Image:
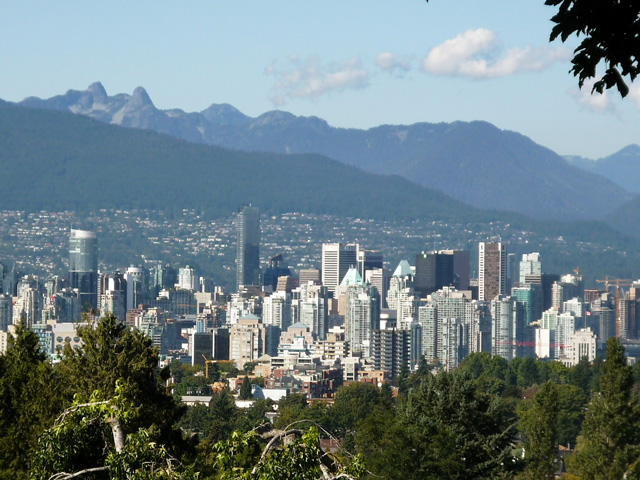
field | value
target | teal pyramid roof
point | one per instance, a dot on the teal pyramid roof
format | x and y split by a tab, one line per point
299	325
352	278
403	269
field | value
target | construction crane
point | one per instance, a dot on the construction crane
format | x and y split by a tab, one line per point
212	362
617	282
207	362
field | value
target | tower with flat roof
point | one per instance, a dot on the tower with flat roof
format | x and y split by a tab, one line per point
248	237
83	266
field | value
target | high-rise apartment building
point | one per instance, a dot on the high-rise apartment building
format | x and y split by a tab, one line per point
362	315
83	266
401	281
531	295
247	340
390	350
379	278
248	237
507	332
492	270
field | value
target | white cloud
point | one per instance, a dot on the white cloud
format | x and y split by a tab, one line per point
595	102
391	63
311	79
479	54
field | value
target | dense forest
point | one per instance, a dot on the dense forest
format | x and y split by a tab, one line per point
104	412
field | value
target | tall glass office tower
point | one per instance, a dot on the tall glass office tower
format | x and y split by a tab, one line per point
83	266
248	259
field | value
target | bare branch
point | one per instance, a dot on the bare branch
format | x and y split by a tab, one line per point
67	476
73	408
277	437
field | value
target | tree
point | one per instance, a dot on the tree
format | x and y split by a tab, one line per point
538	421
457	431
245	389
384	443
112	351
611	31
353	403
29	400
572	402
223	414
114	356
608	444
291	453
291	408
127	455
527	373
581	375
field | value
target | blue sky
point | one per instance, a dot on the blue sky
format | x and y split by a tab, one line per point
354	63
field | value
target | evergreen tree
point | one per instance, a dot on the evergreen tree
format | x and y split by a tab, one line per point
352	404
539	424
245	390
458	432
29	400
608	444
114	356
223	415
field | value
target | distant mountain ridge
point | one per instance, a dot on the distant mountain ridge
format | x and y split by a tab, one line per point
473	162
58	161
622	167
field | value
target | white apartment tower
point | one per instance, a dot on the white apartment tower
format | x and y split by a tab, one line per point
507	328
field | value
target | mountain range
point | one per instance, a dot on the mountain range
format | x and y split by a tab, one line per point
623	167
57	161
472	162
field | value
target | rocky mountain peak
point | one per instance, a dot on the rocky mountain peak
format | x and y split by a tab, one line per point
99	93
140	98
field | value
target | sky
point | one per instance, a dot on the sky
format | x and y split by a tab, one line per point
354	63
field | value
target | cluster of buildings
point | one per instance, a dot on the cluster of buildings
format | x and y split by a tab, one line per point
351	319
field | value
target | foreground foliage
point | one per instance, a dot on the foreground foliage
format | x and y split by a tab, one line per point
103	413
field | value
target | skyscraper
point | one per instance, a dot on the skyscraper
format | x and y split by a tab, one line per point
529	265
443	268
248	259
492	270
507	327
336	260
83	266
